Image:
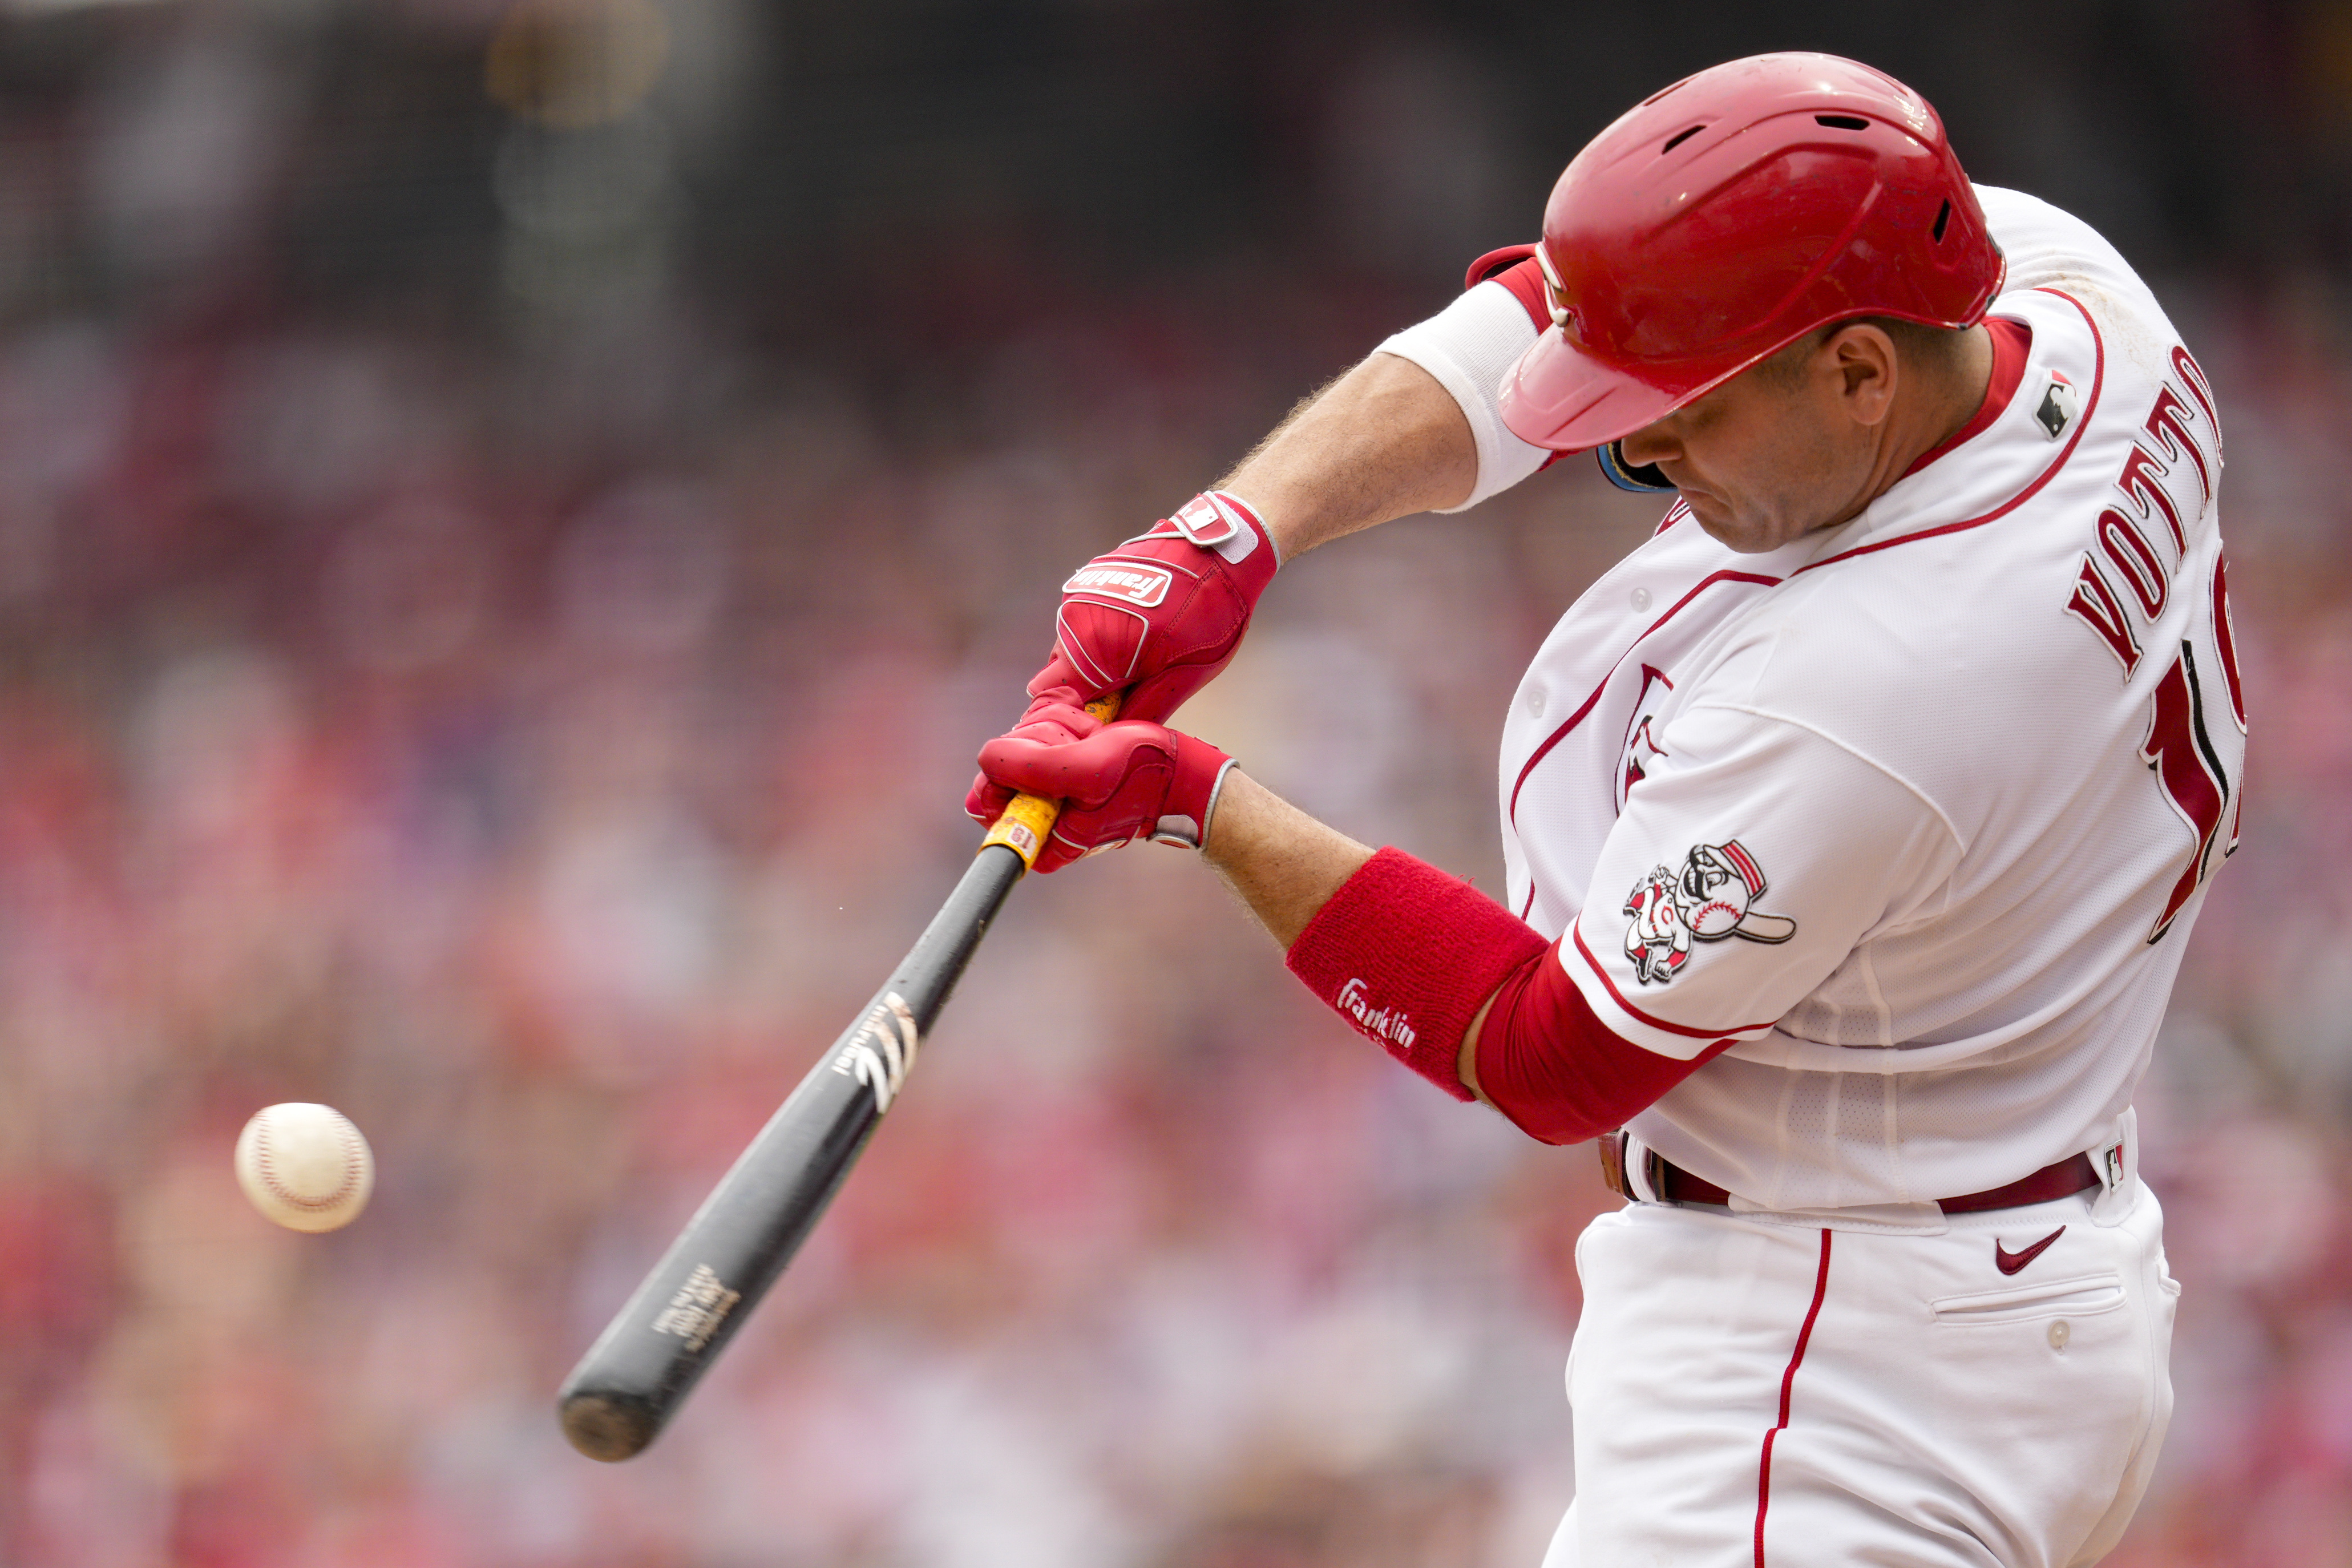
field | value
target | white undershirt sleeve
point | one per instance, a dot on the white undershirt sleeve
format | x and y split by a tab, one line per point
1469	347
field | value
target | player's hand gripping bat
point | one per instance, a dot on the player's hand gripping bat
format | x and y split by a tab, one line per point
633	1377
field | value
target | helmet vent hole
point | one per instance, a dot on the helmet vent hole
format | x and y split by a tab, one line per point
1842	121
1943	218
1678	138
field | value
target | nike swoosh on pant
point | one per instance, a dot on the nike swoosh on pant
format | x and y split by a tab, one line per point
2009	1262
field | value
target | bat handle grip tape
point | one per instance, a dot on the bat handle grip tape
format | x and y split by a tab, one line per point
1030	818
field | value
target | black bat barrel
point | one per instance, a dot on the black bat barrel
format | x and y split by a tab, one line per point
622	1394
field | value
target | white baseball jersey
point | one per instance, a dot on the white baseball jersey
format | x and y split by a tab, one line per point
1917	811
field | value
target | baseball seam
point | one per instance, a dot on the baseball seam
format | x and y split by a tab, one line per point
353	1162
1710	908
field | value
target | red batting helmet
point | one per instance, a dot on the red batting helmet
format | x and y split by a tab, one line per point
1720	220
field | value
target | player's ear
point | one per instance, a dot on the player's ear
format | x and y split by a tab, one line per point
1867	369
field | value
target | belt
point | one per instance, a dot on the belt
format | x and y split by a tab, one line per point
1674	1184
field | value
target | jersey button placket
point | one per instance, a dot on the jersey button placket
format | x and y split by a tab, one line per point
1640	599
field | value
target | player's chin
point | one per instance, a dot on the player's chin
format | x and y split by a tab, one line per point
1737	527
1722	521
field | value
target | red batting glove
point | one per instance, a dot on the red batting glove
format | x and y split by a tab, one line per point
1117	782
1046	720
1164	612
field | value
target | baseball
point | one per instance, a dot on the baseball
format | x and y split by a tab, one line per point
1717	916
305	1167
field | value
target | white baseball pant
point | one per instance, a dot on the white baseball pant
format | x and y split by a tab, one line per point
1753	1394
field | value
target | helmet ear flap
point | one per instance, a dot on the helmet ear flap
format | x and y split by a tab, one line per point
1644	480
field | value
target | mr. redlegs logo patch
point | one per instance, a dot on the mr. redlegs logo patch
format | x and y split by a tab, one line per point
1128	582
1709	899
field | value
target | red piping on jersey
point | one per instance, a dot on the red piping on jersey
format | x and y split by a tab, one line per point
1556	736
1577	930
2098	379
1787	1383
2090	407
2012	344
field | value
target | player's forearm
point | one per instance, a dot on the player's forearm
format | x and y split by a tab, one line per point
1455	987
1283	864
1384	441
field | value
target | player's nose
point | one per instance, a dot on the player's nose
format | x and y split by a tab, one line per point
1651	443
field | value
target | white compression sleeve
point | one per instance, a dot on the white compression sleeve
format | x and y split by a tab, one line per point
1469	347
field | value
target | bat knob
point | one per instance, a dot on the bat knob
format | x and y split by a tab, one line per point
608	1427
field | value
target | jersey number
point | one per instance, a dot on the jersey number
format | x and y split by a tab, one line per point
2189	771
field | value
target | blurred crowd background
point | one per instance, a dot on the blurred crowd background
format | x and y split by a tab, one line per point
514	518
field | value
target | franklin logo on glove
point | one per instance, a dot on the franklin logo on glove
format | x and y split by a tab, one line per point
1159	616
1142	586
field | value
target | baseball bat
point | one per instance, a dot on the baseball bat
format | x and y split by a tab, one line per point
641	1368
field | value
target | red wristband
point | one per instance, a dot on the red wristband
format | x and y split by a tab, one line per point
1408	955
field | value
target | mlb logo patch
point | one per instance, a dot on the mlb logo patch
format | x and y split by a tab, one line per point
2058	407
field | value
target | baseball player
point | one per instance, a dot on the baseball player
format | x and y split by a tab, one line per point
1854	823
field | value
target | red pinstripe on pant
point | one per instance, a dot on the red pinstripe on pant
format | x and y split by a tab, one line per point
1787	1383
